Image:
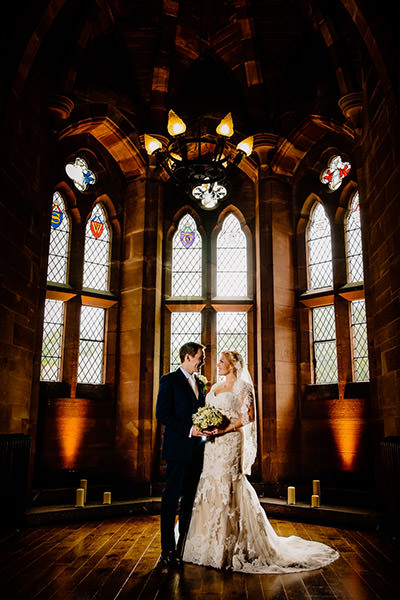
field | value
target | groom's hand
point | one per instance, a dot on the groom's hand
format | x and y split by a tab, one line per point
196	432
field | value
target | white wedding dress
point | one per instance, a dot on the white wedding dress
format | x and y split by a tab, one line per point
229	528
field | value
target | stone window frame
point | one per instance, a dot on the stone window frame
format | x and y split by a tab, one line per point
74	295
340	294
209	303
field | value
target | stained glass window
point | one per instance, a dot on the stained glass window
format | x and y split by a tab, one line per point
231	260
91	345
319	249
185	327
59	241
186	259
336	171
53	327
80	174
360	341
209	194
232	332
97	251
354	243
324	336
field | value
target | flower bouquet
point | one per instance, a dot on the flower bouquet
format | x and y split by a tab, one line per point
207	417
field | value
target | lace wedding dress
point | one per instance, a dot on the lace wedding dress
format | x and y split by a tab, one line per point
229	528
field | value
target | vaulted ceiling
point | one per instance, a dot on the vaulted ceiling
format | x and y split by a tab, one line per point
270	62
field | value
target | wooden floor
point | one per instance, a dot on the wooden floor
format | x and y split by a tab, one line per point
119	559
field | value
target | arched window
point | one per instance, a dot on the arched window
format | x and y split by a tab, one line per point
57	273
231	260
186	259
319	249
75	314
57	269
203	305
353	241
338	313
97	251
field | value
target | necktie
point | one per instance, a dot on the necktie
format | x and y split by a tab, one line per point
194	385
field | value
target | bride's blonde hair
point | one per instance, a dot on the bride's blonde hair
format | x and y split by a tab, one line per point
235	360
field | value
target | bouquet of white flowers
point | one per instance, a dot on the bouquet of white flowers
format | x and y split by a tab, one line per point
207	417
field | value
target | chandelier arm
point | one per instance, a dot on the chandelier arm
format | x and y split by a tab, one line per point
219	147
162	161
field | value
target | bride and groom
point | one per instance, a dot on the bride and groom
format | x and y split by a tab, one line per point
221	522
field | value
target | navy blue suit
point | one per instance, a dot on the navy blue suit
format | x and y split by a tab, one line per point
176	402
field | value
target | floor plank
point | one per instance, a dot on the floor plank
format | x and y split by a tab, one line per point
119	560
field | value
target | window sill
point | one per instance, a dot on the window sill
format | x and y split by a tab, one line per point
329	391
321	297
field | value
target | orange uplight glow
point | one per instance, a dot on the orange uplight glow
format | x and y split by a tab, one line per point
347	422
71	417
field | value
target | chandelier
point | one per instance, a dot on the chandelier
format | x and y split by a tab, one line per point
199	165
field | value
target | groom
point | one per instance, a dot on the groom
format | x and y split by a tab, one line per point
179	396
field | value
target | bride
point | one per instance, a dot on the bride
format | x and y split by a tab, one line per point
228	527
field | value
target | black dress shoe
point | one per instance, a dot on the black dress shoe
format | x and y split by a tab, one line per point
168	559
179	561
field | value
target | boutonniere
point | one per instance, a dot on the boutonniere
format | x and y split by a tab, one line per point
202	380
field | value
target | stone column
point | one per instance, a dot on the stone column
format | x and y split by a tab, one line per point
140	321
276	318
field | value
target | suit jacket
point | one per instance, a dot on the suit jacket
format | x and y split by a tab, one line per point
176	402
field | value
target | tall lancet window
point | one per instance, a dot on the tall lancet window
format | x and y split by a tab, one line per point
353	241
97	251
231	260
57	273
211	298
186	259
319	249
57	269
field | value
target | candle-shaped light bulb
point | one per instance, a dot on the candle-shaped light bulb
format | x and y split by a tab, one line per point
225	127
246	146
151	144
175	124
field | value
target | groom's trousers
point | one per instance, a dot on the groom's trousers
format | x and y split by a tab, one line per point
181	483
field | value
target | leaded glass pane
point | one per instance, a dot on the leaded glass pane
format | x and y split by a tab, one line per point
53	327
324	336
231	260
91	345
187	259
319	249
360	340
354	243
59	241
97	251
232	332
185	327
